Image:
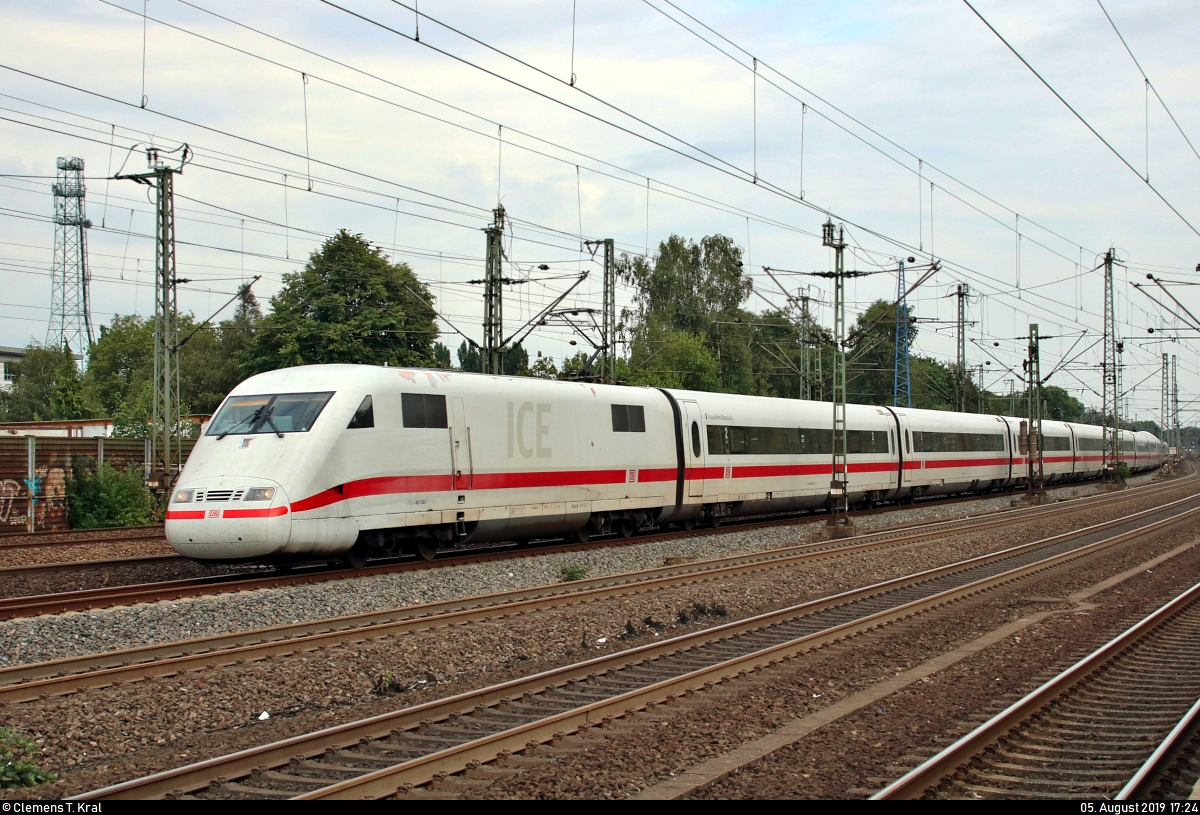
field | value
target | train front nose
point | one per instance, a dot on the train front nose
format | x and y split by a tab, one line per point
228	520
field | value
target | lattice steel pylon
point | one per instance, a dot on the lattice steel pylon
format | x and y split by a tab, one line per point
1111	392
1176	431
70	281
166	442
840	524
608	322
493	296
1164	420
960	373
1036	480
902	375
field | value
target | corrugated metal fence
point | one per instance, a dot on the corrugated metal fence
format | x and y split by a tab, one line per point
34	472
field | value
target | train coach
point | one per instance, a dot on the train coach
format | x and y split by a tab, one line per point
351	461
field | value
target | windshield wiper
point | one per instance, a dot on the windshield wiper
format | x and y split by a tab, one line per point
252	417
267	419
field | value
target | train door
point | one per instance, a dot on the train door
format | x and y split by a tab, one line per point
460	447
901	445
693	442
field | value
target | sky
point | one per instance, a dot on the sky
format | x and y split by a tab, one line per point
911	123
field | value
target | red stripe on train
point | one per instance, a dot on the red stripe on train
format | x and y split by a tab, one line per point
273	512
179	515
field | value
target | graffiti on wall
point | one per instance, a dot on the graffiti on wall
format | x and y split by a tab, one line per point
10	491
48	489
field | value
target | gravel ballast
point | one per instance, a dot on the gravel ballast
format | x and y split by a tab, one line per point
105	735
38	639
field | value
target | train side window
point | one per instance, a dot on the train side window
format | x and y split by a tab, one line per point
908	442
423	410
637	419
628	419
364	416
695	440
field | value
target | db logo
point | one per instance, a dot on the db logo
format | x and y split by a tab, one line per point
631	476
214	513
729	472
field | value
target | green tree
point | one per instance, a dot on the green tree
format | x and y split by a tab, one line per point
441	357
687	311
47	386
679	360
121	367
543	367
350	305
514	362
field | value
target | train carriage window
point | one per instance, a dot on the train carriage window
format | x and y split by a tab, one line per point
866	441
716	441
734	440
629	419
927	441
1058	443
423	410
364	416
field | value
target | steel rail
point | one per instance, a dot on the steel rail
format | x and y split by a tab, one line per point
84	565
223	584
931	773
79	537
1150	774
501	697
24	683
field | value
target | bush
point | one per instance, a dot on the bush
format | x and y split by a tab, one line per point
105	496
1121	471
570	573
17	767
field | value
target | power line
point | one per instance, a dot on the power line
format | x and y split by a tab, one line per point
1149	84
858	122
879	235
1096	133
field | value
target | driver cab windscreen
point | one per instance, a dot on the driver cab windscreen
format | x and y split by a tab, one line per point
288	412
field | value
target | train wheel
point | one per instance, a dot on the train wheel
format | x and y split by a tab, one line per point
716	521
356	558
427	548
689	524
580	535
628	527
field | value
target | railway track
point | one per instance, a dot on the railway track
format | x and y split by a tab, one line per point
1086	733
86	565
235	582
388	754
82	537
1173	769
25	683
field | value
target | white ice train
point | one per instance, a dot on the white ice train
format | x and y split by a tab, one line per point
353	461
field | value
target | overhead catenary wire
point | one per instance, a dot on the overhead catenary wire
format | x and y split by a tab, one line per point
1079	116
1149	87
646	245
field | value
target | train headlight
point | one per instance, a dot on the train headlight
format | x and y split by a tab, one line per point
259	494
183	497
